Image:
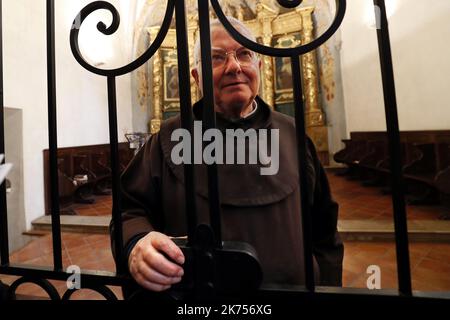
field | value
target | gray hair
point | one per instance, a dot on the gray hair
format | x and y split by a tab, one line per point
241	27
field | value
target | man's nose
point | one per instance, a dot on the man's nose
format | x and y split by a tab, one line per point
232	64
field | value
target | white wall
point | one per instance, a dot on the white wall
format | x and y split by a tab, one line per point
14	195
419	37
81	96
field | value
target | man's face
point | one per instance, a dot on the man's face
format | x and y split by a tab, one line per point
235	86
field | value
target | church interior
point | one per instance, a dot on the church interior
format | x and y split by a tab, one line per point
344	116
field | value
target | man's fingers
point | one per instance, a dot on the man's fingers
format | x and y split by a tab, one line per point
157	261
163	243
150	285
154	276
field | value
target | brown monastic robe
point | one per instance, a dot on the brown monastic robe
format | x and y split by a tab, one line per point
263	211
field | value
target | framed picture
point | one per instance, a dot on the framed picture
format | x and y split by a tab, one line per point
283	74
171	95
282	68
171	83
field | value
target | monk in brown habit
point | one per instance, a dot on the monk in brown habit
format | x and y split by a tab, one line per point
260	209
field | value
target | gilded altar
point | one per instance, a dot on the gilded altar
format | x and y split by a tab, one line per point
271	29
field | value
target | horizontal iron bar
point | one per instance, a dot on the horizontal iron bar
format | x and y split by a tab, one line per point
269	292
356	295
46	272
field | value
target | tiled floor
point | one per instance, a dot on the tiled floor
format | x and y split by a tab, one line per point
88	251
430	265
101	207
357	202
430	262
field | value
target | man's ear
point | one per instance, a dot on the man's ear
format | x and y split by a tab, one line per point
194	73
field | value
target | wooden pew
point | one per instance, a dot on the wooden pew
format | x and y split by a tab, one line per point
425	161
442	179
76	162
371	162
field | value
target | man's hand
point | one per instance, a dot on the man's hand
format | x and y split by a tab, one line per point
148	265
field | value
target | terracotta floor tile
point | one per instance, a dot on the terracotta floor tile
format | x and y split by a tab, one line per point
391	256
106	264
355	264
86	211
351	248
364	214
439	252
358	202
383	216
349	277
104	211
31	289
91	238
73	242
106	243
435	268
424	285
81	254
423	248
373	250
360	281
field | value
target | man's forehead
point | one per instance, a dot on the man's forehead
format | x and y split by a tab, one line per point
221	29
220	38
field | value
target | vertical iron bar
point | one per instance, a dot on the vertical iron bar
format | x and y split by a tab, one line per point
398	193
4	249
114	145
209	117
303	172
186	113
52	135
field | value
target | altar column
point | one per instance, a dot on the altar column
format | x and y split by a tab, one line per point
314	117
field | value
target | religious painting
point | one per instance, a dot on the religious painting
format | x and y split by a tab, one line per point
170	79
283	72
282	68
171	86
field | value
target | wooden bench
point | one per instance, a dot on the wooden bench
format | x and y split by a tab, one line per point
83	172
425	159
442	179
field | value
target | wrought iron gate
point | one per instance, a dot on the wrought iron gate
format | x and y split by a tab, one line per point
99	280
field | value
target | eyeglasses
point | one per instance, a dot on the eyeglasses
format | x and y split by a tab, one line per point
243	56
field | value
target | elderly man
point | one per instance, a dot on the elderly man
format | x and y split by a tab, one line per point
262	210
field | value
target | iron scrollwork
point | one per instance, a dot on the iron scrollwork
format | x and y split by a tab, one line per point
290	3
98	5
102	289
43	283
53	294
283	52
